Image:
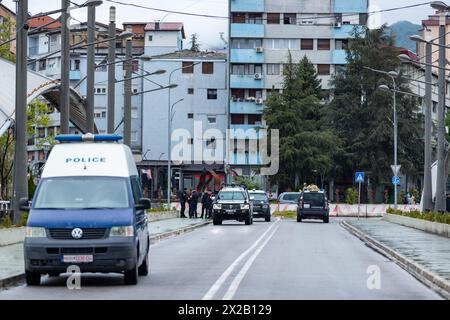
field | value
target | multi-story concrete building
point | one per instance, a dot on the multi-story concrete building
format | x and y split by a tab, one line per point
262	33
48	40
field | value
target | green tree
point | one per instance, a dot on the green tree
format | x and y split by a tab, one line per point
305	145
361	115
195	45
6	31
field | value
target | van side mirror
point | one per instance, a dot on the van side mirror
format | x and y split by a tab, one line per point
24	204
144	204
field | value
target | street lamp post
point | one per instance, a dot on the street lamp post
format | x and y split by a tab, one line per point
111	70
169	134
20	153
128	93
393	75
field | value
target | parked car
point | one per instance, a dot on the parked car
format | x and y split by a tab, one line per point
261	205
289	198
313	205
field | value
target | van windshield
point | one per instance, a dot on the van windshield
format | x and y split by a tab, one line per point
82	193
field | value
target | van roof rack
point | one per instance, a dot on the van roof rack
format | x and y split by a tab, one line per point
88	137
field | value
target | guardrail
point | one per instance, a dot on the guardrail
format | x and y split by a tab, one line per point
5	209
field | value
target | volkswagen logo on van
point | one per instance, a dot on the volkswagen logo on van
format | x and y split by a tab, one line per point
77	233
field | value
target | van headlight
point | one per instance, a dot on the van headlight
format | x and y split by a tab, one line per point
127	231
35	232
217	206
245	206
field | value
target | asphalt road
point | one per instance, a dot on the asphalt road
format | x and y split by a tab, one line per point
278	260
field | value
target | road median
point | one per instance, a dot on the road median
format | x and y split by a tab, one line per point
427	277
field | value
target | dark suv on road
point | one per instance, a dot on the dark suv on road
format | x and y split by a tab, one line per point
233	203
261	205
313	205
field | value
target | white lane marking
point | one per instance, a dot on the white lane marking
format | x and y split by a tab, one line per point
240	276
218	284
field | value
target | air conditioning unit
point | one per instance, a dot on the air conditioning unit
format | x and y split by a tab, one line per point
258	76
259	49
259	101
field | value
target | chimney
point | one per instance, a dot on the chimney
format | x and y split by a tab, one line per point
157	25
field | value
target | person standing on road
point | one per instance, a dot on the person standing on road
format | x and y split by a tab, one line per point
209	205
193	203
183	198
204	200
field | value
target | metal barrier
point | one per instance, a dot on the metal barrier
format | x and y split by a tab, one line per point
5	209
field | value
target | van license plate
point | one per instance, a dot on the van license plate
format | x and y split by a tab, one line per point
78	258
306	205
230	211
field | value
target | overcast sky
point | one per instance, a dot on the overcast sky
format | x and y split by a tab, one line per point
209	28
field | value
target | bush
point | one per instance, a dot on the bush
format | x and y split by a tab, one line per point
23	220
7	222
351	196
428	216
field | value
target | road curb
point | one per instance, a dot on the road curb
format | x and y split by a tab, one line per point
15	279
159	237
430	279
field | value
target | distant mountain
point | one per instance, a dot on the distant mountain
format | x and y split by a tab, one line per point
402	30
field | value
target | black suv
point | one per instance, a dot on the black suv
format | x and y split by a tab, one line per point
313	205
261	205
232	203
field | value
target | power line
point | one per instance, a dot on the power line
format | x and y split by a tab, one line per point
227	17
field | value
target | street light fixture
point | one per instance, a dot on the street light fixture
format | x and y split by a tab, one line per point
172	109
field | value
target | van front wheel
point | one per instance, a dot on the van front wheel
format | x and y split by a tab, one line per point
143	269
32	278
131	276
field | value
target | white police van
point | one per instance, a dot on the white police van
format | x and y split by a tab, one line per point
88	211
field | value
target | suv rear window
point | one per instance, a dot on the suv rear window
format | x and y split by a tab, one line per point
314	199
291	197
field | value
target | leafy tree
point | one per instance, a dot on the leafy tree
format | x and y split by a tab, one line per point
195	45
249	183
6	31
361	115
305	145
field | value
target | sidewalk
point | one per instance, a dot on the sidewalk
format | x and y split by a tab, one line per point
11	257
427	250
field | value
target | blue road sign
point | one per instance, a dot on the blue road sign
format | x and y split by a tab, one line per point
396	180
359	177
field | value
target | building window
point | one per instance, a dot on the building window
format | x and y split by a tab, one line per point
190	90
273	18
363	18
273	69
238	18
246	43
323	44
150	38
188	67
323	69
42	65
103	114
191	141
212	94
190	116
237	119
212	119
290	18
75	65
208	67
307	44
341	44
100	90
254	119
254	18
237	94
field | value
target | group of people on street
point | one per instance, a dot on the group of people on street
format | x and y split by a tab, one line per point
192	199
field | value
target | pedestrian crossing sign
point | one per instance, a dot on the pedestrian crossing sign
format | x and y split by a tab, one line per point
359	177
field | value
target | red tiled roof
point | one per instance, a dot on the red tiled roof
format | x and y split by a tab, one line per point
165	26
40	21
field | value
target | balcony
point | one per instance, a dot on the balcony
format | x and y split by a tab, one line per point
246	56
75	75
247	30
238	81
245	107
354	6
245	131
247	5
339	57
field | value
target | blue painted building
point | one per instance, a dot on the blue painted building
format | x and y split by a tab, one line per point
262	33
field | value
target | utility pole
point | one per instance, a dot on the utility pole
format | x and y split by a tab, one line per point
395	142
90	70
111	70
440	205
20	128
427	191
127	95
65	67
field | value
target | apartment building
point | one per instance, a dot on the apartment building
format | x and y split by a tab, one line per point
7	14
262	33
